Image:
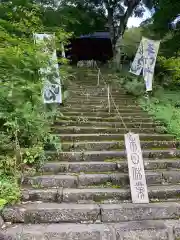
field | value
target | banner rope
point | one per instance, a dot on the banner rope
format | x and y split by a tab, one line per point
119	115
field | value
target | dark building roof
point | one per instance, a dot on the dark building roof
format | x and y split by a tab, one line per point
103	35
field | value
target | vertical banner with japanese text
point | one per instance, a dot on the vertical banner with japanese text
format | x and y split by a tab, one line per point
50	74
145	60
139	192
137	64
150	51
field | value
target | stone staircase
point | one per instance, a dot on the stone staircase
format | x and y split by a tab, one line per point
83	192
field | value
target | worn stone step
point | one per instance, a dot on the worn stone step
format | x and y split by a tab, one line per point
78	87
104	119
133	212
77	213
149	164
57	167
99	194
74	179
44	195
92	129
99	110
113	137
86	83
96	99
97	146
105	193
98	94
108	155
110	120
106	115
90	93
49	181
99	89
120	179
98	167
84	101
98	107
108	124
138	230
51	213
99	99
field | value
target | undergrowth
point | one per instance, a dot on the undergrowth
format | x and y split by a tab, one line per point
165	107
25	122
163	104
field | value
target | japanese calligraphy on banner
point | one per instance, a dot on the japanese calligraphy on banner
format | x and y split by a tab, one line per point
139	192
137	64
50	74
145	60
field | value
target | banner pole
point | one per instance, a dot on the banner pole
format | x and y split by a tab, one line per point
98	77
109	104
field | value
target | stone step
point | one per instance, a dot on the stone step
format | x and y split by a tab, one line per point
117	194
139	118
106	193
51	213
101	111
111	120
106	115
108	124
92	129
71	180
101	87
133	212
98	167
77	167
120	102
88	98
109	155
113	137
103	96
77	213
99	105
138	230
97	146
98	93
50	181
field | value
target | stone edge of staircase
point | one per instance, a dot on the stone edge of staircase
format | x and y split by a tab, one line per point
146	230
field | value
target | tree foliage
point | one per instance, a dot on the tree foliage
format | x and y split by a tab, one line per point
24	120
116	12
130	42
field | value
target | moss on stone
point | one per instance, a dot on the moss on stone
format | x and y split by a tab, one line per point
105	185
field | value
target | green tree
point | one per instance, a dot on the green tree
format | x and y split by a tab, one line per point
130	42
117	13
25	124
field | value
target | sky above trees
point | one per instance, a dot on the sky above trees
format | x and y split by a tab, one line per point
136	21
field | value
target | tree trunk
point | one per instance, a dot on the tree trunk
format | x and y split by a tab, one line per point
121	30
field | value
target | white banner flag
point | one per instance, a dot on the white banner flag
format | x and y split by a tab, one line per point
137	64
145	60
50	74
150	51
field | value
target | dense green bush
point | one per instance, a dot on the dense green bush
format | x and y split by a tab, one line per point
9	190
168	71
132	84
25	121
165	107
